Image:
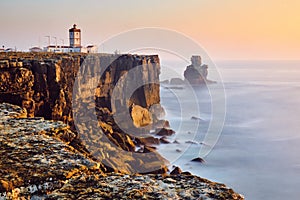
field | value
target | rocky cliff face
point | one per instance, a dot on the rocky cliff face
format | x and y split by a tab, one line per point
42	84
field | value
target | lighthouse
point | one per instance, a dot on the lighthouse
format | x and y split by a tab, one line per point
75	44
75	37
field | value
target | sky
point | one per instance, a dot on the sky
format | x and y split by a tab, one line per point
226	29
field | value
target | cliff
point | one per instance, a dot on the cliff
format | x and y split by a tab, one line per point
42	83
38	163
108	128
101	109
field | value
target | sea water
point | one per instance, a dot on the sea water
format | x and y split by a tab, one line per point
258	150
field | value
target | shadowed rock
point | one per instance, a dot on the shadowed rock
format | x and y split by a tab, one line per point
176	171
198	159
165	132
164	140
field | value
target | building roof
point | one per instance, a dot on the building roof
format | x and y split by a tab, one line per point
64	47
74	29
36	48
90	46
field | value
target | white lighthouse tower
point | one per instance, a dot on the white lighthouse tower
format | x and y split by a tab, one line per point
75	44
75	37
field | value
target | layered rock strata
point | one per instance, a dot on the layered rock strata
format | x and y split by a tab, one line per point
43	83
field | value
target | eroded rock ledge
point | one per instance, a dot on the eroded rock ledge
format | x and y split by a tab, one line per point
37	161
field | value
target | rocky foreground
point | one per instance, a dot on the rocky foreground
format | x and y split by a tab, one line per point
38	163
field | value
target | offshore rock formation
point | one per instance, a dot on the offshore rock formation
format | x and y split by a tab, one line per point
37	162
196	73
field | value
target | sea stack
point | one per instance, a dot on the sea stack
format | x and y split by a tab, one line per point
196	73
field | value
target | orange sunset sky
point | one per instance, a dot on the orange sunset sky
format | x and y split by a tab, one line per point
227	29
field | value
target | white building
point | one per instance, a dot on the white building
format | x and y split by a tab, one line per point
92	49
36	49
75	44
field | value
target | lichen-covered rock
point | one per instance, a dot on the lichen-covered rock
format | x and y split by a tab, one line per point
37	162
35	152
11	111
120	186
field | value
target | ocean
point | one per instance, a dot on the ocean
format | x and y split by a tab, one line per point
257	148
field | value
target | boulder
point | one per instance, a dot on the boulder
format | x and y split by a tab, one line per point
140	116
198	159
157	111
161	124
164	140
177	81
148	149
147	140
176	171
164	132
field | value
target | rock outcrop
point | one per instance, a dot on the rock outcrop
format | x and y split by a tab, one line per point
196	73
37	162
43	84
